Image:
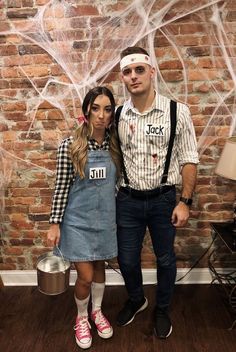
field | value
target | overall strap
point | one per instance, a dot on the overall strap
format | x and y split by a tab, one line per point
173	108
117	117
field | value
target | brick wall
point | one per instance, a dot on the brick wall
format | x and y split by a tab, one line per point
26	188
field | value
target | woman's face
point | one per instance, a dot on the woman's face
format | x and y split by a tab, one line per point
100	113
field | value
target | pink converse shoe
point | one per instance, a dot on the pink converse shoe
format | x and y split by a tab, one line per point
103	326
82	332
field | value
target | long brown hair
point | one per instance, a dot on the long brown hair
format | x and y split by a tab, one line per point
79	148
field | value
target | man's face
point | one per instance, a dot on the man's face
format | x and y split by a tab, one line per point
137	78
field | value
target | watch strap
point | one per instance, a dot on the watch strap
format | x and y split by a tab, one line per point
187	201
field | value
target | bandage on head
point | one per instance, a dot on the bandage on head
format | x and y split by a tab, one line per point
133	59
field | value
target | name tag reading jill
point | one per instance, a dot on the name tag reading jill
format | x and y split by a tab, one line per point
154	130
97	173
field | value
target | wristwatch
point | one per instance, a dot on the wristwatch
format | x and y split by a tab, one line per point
187	201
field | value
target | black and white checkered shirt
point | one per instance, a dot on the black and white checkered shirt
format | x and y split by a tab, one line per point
65	175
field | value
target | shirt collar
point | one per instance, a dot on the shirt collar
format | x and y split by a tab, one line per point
156	105
106	138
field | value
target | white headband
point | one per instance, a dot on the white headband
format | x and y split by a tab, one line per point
133	59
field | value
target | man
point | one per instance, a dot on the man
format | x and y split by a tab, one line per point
158	145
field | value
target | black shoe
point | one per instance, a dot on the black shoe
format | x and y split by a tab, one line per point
127	314
163	327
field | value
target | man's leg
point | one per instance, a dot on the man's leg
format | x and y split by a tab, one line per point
163	234
131	227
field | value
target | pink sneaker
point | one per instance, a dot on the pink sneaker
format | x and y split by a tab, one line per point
103	326
82	332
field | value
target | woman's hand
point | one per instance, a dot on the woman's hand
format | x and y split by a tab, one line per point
53	235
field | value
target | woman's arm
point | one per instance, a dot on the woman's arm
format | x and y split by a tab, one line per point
64	177
53	235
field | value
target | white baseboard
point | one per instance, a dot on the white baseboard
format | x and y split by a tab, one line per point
29	277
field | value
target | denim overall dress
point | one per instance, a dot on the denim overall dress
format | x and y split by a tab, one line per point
88	228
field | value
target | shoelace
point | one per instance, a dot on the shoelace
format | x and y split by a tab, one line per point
101	320
83	326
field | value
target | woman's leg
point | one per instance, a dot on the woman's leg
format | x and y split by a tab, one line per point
103	326
85	272
98	284
82	293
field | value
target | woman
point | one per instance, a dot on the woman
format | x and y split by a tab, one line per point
83	210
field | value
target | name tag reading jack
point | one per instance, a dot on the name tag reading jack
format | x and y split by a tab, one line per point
154	130
97	173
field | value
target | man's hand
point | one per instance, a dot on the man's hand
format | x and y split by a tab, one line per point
53	235
180	215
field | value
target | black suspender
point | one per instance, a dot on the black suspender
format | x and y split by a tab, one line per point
117	117
173	108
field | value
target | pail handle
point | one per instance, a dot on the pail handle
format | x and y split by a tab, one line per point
62	258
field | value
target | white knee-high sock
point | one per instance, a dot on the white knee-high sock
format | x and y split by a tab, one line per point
97	291
82	306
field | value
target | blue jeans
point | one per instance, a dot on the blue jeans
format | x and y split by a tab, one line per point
133	217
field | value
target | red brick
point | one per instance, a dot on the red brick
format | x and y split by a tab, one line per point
21	126
18	60
7	266
14	106
83	10
13	251
35	71
194	28
24	200
9	72
54	115
6	50
3	127
22	192
41	2
35	209
172	75
4	26
4	84
13	3
23	13
40	184
30	135
42	59
170	64
9	136
8	93
27	3
23	209
30	49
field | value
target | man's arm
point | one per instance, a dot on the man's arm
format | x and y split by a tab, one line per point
189	177
180	214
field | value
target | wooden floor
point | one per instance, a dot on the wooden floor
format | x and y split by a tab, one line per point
33	322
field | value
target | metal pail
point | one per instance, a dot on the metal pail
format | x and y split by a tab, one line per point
53	274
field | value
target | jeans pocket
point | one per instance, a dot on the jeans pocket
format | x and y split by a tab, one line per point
122	196
170	197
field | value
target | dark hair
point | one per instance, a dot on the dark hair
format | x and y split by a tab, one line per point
133	50
92	95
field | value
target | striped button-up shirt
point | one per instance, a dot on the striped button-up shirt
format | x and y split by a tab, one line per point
66	175
144	141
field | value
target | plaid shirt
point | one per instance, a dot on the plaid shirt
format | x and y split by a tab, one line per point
65	175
